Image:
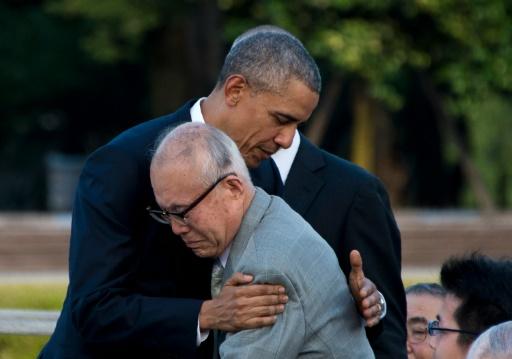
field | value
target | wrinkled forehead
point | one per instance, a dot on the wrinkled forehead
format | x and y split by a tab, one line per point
175	175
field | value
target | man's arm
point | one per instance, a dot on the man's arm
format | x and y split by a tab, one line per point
372	230
107	306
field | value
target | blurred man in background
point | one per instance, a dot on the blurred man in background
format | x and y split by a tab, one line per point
479	295
424	301
494	343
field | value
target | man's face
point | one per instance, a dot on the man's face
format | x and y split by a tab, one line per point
264	122
445	343
421	308
212	224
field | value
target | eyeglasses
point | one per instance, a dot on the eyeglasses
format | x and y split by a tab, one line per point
417	330
434	329
164	216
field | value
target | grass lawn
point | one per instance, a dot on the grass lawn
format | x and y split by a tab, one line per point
28	296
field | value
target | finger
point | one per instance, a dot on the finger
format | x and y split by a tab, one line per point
265	311
259	322
261	300
356	261
356	264
256	290
372	322
371	300
239	279
372	312
367	288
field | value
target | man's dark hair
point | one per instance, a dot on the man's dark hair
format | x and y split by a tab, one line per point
484	286
269	57
433	289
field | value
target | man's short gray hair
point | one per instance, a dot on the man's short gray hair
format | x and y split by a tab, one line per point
212	152
269	57
494	343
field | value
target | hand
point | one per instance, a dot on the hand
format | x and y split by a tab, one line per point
242	305
364	291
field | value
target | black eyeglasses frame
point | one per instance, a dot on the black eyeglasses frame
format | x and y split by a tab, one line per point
433	327
164	216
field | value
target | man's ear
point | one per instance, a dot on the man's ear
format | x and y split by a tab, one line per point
235	186
234	88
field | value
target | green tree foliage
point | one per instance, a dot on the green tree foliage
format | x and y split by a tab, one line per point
465	46
117	27
460	50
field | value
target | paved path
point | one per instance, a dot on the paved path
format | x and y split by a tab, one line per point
37	244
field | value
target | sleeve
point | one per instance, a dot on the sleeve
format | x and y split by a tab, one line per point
282	340
106	307
371	229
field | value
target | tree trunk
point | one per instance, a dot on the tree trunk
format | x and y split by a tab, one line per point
323	114
363	130
470	170
186	57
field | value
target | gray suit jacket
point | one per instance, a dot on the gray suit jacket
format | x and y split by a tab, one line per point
320	320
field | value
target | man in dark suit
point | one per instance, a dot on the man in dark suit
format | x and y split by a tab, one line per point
135	290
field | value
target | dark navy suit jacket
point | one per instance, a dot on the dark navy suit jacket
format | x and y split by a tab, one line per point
350	209
132	280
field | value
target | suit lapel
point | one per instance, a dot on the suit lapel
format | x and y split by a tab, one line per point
304	180
251	220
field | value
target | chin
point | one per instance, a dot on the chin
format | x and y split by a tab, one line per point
201	253
253	160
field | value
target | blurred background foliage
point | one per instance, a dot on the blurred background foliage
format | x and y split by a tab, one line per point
417	91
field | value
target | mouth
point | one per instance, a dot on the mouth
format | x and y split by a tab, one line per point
193	245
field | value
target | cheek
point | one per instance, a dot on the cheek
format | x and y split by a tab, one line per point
422	351
446	348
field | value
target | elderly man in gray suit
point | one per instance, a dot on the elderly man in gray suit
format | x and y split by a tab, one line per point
203	186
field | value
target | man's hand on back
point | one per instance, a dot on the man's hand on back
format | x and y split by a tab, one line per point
363	290
242	305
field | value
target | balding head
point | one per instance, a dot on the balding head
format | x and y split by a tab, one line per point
200	148
202	184
494	343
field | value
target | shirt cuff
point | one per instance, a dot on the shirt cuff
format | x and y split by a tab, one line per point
201	336
382	302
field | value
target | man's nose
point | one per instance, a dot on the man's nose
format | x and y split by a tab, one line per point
179	228
285	137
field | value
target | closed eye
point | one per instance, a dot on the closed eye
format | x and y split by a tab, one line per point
285	119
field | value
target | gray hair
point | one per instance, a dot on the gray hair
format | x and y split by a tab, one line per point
494	343
269	57
432	289
210	150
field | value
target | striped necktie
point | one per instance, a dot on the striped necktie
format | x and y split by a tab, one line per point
217	276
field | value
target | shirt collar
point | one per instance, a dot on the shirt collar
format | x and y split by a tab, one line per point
223	258
285	156
195	111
